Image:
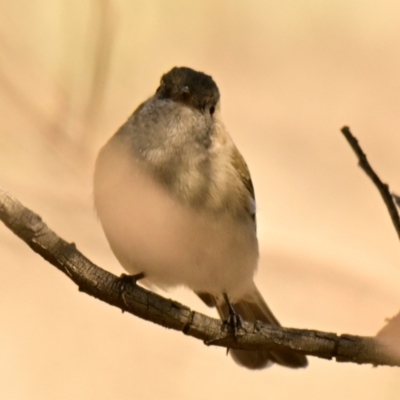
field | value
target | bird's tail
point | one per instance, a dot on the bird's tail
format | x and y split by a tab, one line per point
253	308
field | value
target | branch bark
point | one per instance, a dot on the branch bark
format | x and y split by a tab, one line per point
138	301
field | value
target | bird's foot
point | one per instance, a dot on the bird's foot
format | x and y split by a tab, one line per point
126	280
234	320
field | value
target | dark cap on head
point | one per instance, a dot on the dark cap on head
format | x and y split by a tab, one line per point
190	87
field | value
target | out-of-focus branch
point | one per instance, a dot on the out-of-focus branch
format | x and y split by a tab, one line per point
101	29
382	187
147	305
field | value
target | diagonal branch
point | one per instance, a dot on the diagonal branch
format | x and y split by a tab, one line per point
147	305
382	187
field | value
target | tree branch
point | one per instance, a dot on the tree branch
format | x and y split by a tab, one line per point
382	187
147	305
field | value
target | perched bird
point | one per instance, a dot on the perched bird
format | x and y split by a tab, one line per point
177	204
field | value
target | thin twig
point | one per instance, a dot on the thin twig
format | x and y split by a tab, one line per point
382	187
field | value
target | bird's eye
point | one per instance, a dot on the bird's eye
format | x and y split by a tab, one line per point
212	110
185	90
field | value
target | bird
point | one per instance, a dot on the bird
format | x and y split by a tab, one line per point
177	205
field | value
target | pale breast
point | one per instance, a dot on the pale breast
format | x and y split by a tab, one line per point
151	232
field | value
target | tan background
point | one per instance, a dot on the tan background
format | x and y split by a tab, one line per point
291	73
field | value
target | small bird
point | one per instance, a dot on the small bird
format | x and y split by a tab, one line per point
177	205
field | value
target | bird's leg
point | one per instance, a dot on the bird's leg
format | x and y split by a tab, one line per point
234	320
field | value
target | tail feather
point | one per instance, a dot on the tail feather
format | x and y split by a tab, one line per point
253	308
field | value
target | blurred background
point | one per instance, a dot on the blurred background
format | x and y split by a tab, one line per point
291	74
